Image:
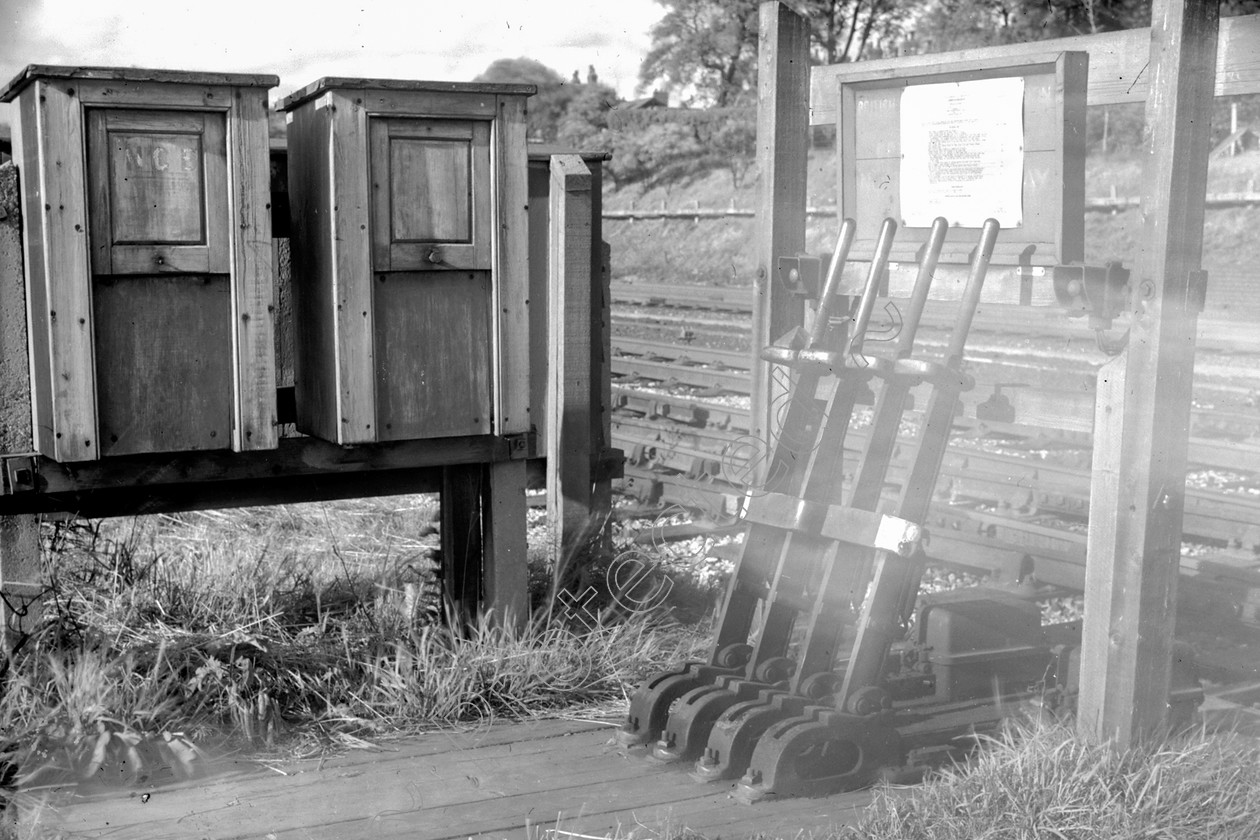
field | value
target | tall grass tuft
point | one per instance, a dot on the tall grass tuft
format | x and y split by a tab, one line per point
291	628
1040	780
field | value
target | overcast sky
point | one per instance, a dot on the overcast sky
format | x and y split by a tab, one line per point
300	42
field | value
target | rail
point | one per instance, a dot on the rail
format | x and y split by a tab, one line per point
1016	483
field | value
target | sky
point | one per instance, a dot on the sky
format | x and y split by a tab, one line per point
300	42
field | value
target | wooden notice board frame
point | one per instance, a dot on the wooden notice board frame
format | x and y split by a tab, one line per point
870	157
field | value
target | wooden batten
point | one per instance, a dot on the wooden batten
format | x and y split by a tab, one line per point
409	214
1119	64
511	305
251	254
148	260
569	395
350	270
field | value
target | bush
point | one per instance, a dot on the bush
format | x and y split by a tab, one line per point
679	145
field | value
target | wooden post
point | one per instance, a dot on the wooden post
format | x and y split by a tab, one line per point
782	148
462	546
569	405
601	371
506	564
1143	409
20	586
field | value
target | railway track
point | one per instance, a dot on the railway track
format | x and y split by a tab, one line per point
1014	488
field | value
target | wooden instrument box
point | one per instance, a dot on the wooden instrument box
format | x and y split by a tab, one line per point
410	259
148	259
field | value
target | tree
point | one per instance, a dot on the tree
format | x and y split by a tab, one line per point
585	120
546	108
849	30
706	49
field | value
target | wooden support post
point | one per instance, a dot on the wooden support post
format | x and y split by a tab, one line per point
1141	429
20	576
483	541
506	565
601	375
569	404
782	149
461	537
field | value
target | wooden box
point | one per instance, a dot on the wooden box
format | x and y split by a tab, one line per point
147	230
410	259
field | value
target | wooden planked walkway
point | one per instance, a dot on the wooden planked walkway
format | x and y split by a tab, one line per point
519	780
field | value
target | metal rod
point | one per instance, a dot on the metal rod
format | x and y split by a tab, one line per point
971	294
879	262
922	285
827	298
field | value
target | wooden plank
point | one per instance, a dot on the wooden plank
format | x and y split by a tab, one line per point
253	279
352	314
382	193
511	266
1140	445
539	174
61	182
1068	224
505	563
569	406
782	139
1118	70
571	781
99	202
411	95
27	153
335	778
315	349
159	79
601	371
303	456
164	363
432	339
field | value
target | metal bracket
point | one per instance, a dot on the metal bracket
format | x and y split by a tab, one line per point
523	445
801	275
19	474
1102	293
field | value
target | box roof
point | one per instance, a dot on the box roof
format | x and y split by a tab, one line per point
334	83
132	74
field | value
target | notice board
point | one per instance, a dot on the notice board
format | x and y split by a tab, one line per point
1001	138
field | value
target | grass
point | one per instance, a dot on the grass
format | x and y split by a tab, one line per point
291	629
309	627
1040	780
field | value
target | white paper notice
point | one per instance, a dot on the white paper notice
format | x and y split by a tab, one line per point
962	152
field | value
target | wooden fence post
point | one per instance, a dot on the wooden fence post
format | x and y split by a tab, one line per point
1141	435
782	149
20	575
569	406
